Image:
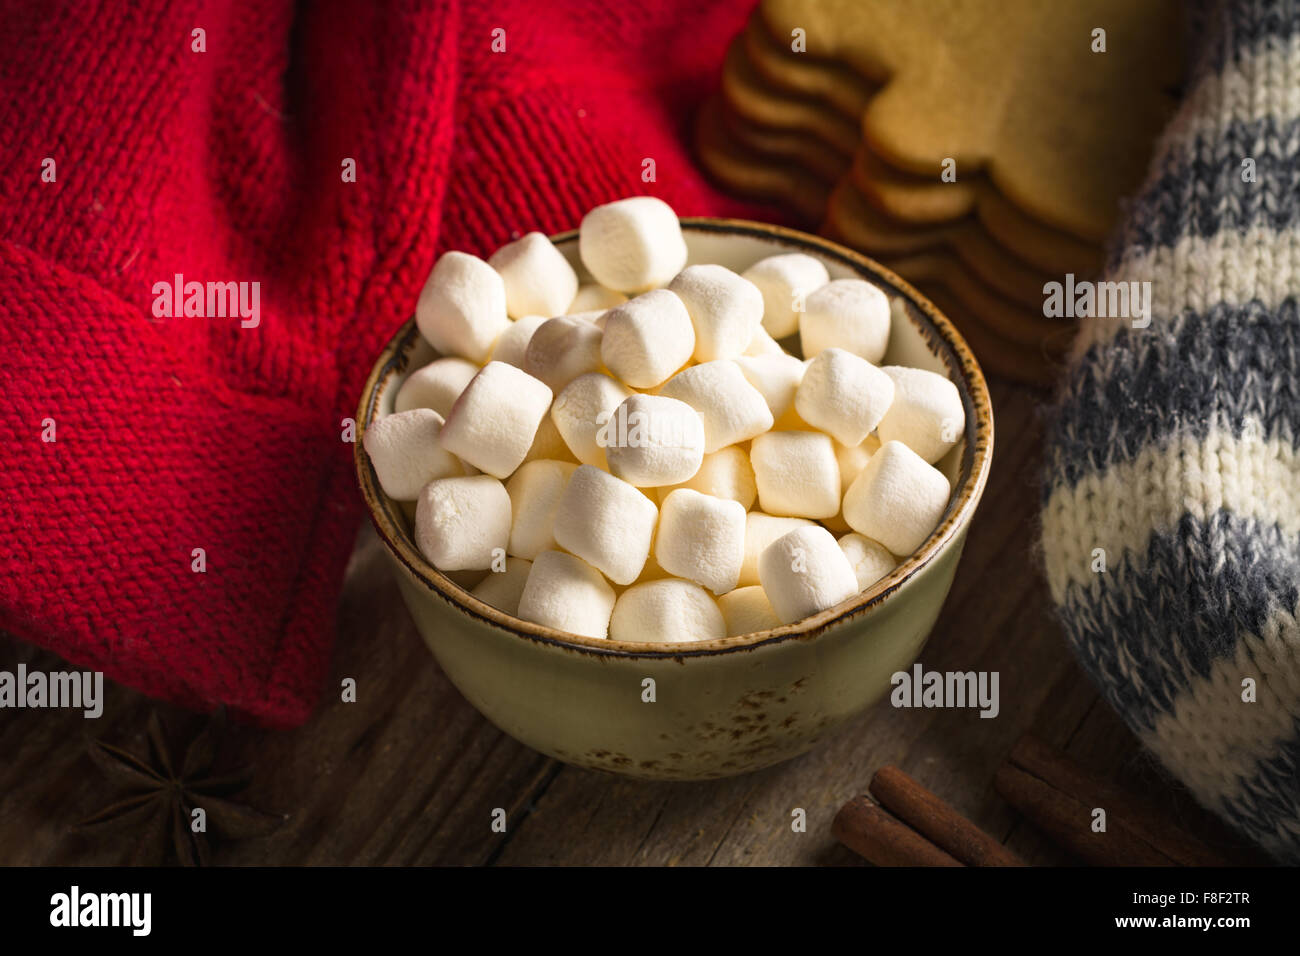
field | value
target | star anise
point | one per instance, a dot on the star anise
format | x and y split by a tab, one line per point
158	797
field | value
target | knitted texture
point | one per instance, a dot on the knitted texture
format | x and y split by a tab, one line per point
1172	459
226	165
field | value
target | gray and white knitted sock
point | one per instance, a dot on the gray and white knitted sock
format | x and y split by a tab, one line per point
1174	457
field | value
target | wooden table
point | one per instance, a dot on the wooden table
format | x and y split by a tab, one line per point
411	773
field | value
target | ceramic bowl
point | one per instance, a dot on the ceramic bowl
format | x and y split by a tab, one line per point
715	708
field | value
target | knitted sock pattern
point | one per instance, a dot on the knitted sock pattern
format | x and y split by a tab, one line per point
1173	456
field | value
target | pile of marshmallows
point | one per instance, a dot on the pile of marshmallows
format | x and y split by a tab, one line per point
600	456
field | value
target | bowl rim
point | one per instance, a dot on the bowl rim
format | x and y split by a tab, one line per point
956	355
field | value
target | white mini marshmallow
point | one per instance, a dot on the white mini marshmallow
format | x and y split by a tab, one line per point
648	338
844	395
796	473
493	423
760	531
436	385
804	572
632	245
726	473
927	414
747	610
702	539
407	452
462	307
666	612
731	408
871	560
851	314
537	277
460	523
776	376
535	491
650	440
606	522
561	349
512	346
725	309
786	281
568	594
548	443
579	410
502	589
898	499
594	297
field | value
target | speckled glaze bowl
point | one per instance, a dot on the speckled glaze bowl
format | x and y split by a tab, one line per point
720	707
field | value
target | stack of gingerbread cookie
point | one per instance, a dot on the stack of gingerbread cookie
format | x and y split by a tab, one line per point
981	151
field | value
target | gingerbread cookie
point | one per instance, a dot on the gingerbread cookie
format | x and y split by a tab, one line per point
735	168
745	92
804	75
1012	321
879	234
1019	90
993	265
906	198
779	147
997	355
747	169
909	198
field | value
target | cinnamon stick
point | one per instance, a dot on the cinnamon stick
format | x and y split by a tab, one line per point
872	833
1060	799
931	816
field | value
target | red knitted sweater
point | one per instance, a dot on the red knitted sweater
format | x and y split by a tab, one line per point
137	149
